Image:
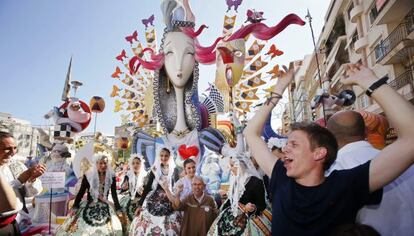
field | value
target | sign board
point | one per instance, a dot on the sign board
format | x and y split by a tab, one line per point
54	179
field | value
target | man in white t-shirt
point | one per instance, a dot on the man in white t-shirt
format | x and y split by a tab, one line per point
394	215
24	181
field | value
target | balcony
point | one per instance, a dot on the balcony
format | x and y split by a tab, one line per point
338	31
398	45
392	11
335	79
337	49
361	44
355	13
336	59
402	80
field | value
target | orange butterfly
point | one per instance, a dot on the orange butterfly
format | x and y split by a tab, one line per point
275	70
115	91
116	73
273	51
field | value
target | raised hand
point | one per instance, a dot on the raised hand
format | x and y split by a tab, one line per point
38	170
32	173
164	185
358	74
180	188
285	78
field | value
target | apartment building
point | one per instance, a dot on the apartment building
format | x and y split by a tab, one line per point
25	134
379	33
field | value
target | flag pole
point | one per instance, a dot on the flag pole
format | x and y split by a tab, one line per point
309	17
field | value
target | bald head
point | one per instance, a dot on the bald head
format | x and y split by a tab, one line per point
347	126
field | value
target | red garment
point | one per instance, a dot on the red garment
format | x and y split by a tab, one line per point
7	220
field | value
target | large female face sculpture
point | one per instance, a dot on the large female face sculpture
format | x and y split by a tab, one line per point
179	58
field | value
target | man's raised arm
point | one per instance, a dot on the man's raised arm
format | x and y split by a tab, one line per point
254	128
393	160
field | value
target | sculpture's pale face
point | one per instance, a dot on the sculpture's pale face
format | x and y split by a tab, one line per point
179	58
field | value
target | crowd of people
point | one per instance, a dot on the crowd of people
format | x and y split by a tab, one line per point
321	181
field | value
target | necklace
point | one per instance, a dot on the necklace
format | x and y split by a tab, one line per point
163	171
181	133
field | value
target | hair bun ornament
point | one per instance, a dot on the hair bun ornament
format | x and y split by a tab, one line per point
175	14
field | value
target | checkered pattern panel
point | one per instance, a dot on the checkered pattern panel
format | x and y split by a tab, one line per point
216	96
62	131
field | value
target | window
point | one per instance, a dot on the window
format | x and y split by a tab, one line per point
349	10
353	40
373	13
379	51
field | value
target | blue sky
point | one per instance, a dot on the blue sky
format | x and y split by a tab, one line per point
38	37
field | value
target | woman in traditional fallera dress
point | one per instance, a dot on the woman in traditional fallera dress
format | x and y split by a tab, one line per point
241	214
157	217
133	187
95	216
185	182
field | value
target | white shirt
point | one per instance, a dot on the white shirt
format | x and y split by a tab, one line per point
395	214
352	155
199	200
32	189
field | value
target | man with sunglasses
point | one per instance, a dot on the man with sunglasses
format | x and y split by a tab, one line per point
24	181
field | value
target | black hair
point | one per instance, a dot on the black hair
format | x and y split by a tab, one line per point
166	150
188	161
136	158
4	135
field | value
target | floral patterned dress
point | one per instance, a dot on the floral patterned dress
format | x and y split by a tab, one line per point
129	205
158	216
93	218
244	223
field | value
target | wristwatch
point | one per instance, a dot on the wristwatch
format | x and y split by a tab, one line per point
376	85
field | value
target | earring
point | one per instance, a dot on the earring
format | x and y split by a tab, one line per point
168	85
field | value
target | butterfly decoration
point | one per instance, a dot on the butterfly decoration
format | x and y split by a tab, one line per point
273	51
132	37
150	21
121	56
254	16
116	73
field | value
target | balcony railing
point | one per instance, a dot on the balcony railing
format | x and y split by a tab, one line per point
396	36
402	80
